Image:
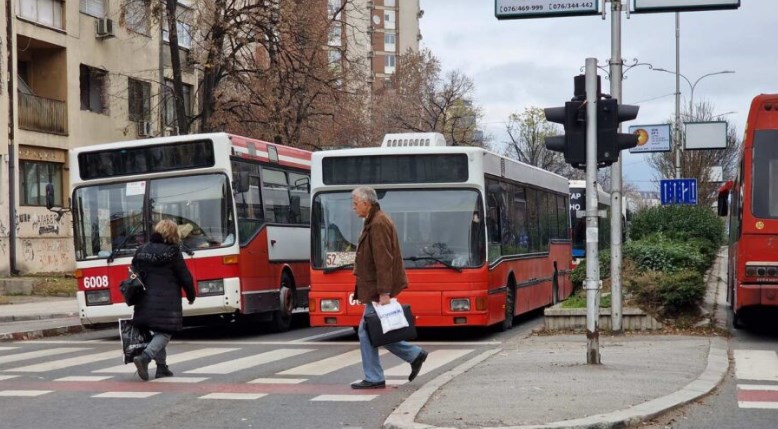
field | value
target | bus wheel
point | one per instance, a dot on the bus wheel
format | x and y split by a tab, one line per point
509	306
282	318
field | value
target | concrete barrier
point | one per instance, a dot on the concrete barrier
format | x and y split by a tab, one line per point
632	319
17	286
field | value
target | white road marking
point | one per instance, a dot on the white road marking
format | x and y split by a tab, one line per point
174	359
345	398
133	395
67	363
278	381
2	349
39	353
179	380
7	377
326	366
435	360
756	365
758	404
240	396
84	378
757	387
25	393
230	366
338	333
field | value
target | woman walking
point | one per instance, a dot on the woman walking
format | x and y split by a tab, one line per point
159	310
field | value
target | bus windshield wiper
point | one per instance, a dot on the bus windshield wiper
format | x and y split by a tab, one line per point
123	243
339	267
187	249
432	258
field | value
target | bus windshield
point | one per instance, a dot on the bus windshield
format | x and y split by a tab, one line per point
435	227
115	219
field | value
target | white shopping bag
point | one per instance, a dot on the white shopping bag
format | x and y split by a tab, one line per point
391	316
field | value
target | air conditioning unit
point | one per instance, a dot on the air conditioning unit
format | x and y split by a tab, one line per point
104	28
144	129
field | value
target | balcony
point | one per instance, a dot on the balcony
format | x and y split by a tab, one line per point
42	114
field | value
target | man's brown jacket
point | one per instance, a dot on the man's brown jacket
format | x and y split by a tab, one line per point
379	264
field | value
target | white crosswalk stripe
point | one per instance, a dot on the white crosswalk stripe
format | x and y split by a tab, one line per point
435	360
69	362
326	366
171	359
757	365
24	393
239	396
235	365
38	353
3	348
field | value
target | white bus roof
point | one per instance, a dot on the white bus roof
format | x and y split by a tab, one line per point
602	196
489	162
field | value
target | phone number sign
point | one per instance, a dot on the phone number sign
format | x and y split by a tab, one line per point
517	9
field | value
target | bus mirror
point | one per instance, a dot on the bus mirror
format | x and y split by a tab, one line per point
243	182
303	181
49	196
723	204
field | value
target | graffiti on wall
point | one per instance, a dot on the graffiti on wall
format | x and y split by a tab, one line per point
41	224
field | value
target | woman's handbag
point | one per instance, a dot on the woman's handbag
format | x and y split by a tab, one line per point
376	333
132	288
134	339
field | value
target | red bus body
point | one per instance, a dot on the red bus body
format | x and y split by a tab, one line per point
263	271
525	280
753	212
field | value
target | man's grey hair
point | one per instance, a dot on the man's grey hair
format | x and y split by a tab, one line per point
365	193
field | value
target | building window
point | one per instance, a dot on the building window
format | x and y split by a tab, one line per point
389	19
45	12
170	103
389	63
35	176
95	8
390	40
136	15
183	27
139	95
93	89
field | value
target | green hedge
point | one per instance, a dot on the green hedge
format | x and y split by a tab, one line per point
579	272
659	253
682	223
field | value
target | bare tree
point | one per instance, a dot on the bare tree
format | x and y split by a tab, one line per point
419	99
697	163
527	132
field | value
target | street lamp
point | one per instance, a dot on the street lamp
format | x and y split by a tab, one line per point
677	121
693	85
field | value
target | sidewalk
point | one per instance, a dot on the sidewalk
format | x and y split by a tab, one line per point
545	382
29	317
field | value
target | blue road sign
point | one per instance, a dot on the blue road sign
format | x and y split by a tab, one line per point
678	191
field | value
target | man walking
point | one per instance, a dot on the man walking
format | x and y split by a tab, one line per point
380	275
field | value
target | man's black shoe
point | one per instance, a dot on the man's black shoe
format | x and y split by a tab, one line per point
163	371
416	365
142	364
364	384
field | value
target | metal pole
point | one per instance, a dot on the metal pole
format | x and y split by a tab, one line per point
677	134
592	267
12	221
616	202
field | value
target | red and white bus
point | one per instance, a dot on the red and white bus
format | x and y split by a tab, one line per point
753	218
242	206
484	238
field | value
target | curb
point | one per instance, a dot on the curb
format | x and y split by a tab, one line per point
41	333
6	319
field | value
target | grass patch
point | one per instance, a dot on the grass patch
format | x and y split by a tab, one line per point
579	301
4	300
55	286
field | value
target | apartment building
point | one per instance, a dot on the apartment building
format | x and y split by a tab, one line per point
74	73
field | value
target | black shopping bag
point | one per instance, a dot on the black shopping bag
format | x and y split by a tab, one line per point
377	336
134	339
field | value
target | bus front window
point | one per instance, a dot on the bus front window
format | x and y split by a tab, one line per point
111	220
446	225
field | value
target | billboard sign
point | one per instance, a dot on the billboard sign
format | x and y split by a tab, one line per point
651	138
705	135
650	6
517	9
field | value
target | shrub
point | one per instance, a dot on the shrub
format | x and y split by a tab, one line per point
579	273
667	293
658	253
682	223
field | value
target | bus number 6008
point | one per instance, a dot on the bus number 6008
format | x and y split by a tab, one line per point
95	282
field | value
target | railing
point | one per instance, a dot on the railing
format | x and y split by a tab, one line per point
42	114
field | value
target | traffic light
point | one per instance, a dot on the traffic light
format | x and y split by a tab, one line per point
610	142
573	144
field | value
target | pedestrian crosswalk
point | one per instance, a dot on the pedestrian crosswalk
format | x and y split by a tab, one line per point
215	371
757	375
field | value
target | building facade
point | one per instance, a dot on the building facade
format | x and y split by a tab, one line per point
74	73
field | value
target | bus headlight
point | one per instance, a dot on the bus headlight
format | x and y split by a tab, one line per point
98	297
460	304
210	287
329	305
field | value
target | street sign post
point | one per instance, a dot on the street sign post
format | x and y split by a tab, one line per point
678	191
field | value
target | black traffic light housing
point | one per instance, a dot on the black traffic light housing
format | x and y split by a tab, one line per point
572	116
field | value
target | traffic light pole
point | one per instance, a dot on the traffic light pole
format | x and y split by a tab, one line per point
616	174
592	283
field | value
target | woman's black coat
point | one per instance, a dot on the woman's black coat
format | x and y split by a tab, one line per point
164	273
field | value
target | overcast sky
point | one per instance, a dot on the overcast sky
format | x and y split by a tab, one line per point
531	62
